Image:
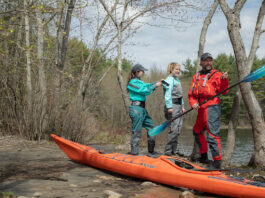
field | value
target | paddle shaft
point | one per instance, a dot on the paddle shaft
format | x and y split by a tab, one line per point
203	102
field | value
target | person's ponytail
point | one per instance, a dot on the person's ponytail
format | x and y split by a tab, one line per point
130	76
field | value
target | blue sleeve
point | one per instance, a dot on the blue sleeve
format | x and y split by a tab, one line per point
141	87
168	92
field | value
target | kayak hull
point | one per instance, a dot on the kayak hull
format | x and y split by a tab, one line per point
163	169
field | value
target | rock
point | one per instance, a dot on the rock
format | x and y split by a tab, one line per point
105	177
258	178
97	181
21	197
147	183
37	194
48	188
73	185
186	194
112	194
121	147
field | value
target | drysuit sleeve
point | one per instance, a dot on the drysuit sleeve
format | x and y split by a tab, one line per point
141	87
221	84
168	92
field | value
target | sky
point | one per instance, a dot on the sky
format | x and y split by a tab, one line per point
158	46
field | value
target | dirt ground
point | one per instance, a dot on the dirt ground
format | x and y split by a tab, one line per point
41	169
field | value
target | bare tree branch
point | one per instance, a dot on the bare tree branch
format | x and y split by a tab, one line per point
226	9
85	71
257	34
239	5
105	73
109	12
205	26
50	19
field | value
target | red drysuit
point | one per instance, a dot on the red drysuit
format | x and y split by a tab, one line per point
203	86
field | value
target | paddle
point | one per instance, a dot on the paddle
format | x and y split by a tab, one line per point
249	78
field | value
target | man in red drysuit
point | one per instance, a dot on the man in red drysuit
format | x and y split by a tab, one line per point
206	83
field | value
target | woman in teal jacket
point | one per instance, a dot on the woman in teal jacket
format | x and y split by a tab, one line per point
138	90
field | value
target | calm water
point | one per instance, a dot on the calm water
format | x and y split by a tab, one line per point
243	148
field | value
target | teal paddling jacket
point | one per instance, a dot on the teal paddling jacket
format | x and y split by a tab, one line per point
138	90
172	81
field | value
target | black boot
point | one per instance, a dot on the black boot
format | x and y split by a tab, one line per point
216	164
204	158
151	146
178	154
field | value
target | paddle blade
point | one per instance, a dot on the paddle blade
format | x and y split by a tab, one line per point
158	129
255	75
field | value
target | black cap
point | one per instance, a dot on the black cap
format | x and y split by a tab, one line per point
138	67
206	55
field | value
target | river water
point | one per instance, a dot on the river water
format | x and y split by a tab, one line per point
243	147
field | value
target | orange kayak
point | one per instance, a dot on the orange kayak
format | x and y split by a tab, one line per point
166	170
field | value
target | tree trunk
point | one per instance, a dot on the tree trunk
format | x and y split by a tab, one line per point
63	23
205	26
231	135
28	60
42	79
244	67
19	77
59	66
195	152
124	93
257	123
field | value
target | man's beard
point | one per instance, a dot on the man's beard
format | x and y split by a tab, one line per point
208	67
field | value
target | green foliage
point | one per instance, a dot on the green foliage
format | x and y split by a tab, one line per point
190	68
126	65
77	54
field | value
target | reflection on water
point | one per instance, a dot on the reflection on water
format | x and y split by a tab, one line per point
243	147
